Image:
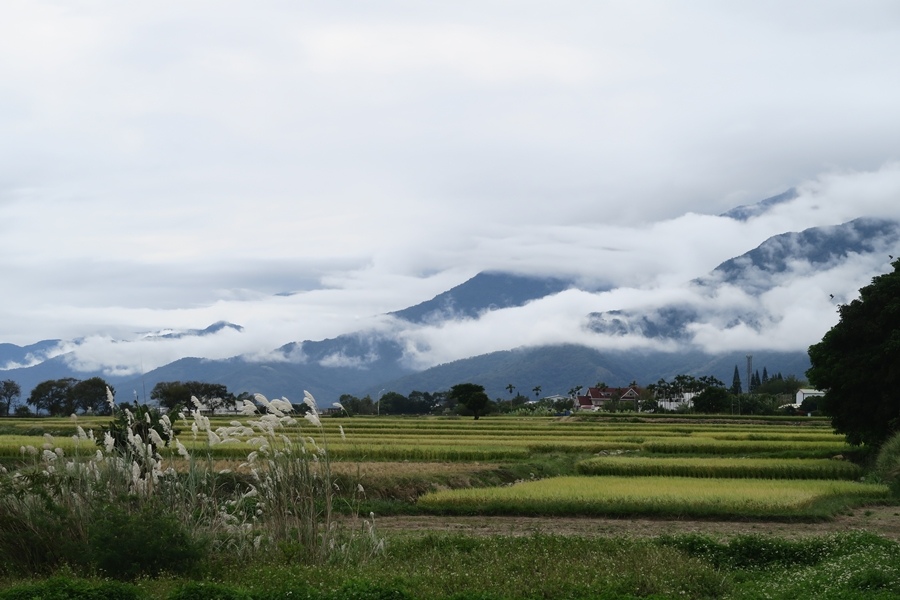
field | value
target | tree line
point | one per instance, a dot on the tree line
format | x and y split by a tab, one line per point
68	395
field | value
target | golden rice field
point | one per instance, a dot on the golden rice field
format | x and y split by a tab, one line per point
723	467
726	468
666	496
490	439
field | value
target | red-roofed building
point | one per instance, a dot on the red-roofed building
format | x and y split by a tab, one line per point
598	398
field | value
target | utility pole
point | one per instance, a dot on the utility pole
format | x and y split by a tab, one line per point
749	373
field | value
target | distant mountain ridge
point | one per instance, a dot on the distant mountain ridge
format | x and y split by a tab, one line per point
755	272
24	355
748	211
818	246
211	330
484	292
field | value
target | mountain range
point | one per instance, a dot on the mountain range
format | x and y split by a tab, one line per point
657	339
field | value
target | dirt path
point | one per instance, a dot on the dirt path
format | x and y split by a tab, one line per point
882	520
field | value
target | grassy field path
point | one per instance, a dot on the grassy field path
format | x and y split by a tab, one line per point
881	520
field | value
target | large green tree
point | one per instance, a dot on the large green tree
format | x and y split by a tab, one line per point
63	397
54	396
471	396
174	395
10	391
713	399
89	396
857	364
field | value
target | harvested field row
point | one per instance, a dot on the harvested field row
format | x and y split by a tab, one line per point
765	468
657	496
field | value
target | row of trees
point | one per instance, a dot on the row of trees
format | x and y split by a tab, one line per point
57	397
176	395
66	396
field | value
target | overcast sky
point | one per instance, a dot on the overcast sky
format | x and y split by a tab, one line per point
172	164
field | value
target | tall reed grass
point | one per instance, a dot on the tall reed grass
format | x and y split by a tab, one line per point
66	503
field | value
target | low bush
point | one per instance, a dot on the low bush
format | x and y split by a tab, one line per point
65	588
125	544
887	464
196	590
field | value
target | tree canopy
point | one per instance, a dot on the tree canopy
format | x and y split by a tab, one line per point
10	391
471	396
61	397
857	364
173	395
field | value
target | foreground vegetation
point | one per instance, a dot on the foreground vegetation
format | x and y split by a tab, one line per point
271	504
845	567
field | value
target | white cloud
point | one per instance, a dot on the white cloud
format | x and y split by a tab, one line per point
172	165
487	56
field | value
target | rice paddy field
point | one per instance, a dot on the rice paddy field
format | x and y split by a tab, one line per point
751	473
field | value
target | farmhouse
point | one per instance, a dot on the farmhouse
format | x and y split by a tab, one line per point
804	393
607	397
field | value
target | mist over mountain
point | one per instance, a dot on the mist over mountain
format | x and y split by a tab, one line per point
748	211
485	292
211	330
12	356
501	328
817	248
779	261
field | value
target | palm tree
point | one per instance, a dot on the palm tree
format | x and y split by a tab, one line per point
510	388
537	390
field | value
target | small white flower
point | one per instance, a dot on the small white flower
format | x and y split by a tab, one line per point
310	401
156	439
181	449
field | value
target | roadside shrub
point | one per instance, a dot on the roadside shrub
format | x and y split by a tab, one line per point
207	591
125	545
887	464
64	588
761	551
364	590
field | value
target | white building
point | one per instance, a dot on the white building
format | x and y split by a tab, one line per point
804	393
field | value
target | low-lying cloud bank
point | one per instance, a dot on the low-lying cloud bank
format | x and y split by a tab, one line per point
657	273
